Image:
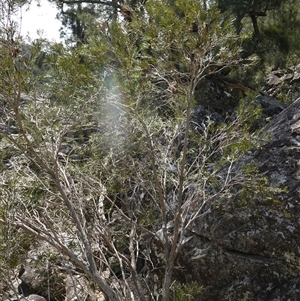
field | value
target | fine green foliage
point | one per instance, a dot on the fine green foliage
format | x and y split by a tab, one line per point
184	292
103	157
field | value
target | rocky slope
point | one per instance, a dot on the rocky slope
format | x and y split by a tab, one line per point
250	250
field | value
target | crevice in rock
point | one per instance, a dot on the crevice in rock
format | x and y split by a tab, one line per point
251	256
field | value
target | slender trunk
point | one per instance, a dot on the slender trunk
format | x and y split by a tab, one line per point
173	250
167	284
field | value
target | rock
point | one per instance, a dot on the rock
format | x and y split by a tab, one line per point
33	280
284	82
249	249
32	297
277	77
200	117
35	298
270	105
77	288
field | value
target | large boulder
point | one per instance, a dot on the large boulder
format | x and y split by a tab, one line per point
249	249
270	106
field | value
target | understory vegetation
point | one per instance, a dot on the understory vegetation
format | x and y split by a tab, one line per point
108	156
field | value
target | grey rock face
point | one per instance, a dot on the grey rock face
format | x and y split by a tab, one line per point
249	249
270	105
